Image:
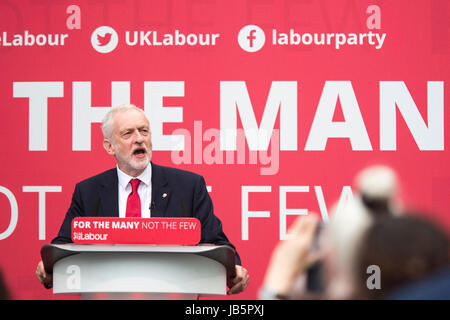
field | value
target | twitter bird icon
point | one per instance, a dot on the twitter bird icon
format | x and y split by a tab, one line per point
104	39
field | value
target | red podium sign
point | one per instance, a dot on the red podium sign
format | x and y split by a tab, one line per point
168	231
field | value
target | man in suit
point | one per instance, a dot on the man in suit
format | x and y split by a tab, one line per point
139	188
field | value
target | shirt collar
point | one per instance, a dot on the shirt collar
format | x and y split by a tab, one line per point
145	176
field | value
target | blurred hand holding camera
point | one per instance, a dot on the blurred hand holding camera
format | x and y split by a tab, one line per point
293	256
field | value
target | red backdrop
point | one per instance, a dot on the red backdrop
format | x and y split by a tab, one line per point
44	87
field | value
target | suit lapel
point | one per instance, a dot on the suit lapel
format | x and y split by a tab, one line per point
160	192
109	195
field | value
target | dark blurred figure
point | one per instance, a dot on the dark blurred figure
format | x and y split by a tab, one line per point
434	287
411	252
369	234
4	292
318	259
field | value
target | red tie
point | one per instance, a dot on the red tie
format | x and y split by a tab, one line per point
134	202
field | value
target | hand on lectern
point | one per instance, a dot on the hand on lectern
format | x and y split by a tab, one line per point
45	278
240	281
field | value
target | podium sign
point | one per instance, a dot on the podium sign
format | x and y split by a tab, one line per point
163	231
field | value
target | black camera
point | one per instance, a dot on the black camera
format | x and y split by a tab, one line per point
314	274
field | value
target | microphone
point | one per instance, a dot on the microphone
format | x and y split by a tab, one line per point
186	212
96	207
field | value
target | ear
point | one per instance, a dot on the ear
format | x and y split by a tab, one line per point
108	147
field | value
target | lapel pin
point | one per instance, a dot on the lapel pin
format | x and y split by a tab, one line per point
164	195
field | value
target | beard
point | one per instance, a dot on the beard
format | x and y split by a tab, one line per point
139	164
131	162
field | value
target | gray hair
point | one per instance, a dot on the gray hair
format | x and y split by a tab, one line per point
107	122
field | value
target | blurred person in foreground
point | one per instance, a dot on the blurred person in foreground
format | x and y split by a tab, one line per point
4	291
329	260
412	254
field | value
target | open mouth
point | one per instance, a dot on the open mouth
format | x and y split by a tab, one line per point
139	152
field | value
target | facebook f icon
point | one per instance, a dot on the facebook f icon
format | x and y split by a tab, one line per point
251	38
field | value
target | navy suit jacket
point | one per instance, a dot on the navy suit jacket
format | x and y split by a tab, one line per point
186	197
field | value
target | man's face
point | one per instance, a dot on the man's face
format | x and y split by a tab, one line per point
131	142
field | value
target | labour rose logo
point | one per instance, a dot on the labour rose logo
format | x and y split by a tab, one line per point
104	39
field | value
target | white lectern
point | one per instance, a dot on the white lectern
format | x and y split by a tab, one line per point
139	271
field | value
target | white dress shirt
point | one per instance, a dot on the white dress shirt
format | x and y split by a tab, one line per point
144	191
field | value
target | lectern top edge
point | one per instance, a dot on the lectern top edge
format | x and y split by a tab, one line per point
223	254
